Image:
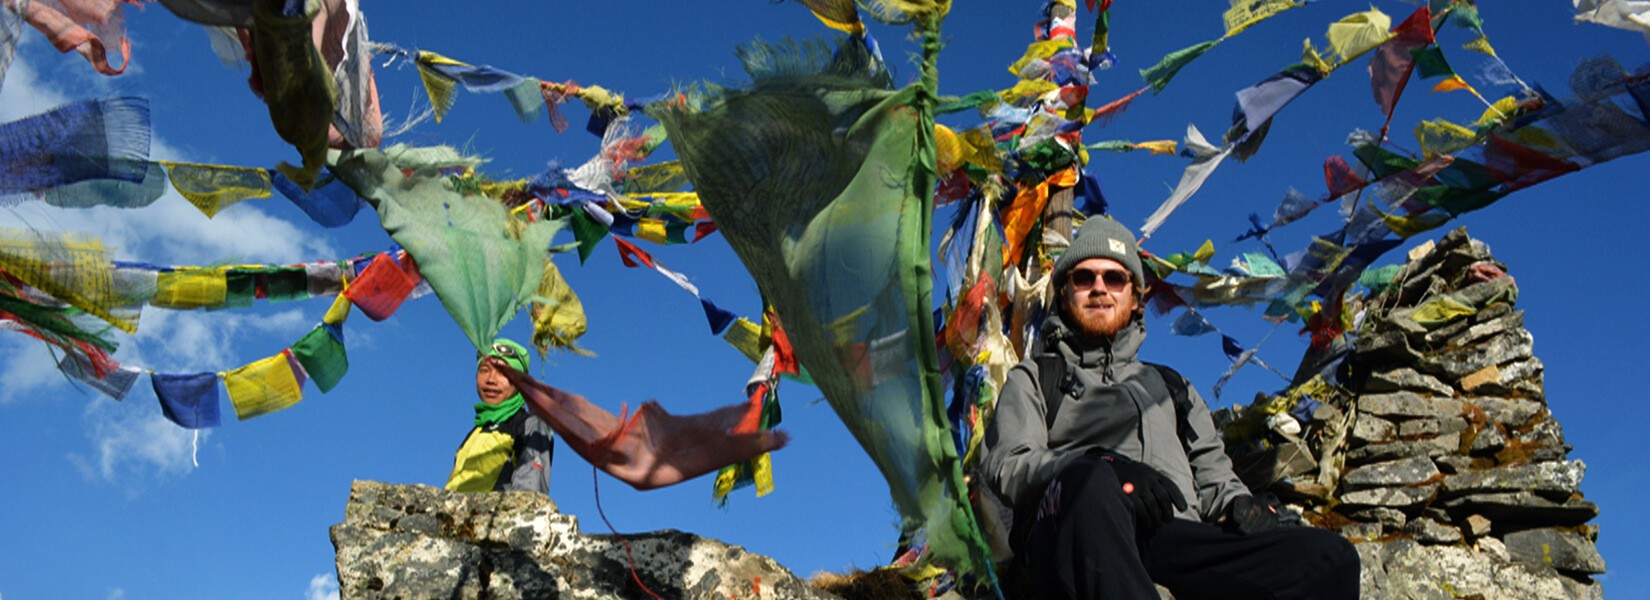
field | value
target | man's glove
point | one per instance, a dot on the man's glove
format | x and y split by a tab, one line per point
1245	516
1155	497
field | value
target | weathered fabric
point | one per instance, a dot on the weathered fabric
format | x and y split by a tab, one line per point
482	262
91	139
650	448
821	182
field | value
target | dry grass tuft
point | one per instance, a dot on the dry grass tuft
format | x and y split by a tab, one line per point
879	584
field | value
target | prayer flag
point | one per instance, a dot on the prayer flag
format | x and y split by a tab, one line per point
380	289
265	386
321	353
191	401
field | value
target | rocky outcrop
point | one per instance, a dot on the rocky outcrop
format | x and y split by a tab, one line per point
1434	450
414	541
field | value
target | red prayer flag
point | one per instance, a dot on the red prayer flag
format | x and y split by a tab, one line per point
1389	71
631	255
381	288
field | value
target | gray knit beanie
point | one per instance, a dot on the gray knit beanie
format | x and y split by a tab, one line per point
1101	237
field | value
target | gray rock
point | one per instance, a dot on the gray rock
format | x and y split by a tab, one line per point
1446	335
1546	433
1452	463
1452	365
1407	380
1524	508
1488	441
1477	526
1408	405
1361	531
1387	517
1513	379
1511	412
1386	347
1552	479
1369	429
1428	531
1393	497
1442	445
1483	329
1407	472
410	541
1429	426
1409	569
1484	293
1562	550
1493	548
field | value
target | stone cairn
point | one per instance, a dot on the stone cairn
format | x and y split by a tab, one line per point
1437	456
415	541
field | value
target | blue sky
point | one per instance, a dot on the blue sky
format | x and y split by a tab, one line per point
102	500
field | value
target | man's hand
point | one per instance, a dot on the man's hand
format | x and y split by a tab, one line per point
1245	516
1155	497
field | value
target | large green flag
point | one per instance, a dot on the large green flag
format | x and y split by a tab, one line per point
822	182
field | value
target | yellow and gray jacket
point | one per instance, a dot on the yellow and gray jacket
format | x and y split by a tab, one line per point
1116	404
509	456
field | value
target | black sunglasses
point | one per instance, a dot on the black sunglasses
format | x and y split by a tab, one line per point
1115	280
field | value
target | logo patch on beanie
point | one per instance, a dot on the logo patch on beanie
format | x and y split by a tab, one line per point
1117	246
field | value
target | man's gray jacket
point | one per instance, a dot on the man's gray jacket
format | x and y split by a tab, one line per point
1124	407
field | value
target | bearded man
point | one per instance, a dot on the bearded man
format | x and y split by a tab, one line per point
1114	468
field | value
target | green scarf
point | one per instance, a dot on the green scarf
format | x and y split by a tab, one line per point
493	414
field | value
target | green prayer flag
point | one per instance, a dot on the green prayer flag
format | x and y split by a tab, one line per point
822	181
1158	75
1430	63
321	352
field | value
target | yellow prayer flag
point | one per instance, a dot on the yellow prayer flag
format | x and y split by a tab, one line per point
1027	89
263	387
652	230
1158	146
437	85
1502	109
979	150
746	337
1310	56
1481	45
558	315
338	312
763	474
190	287
1439	136
1358	33
71	267
1204	252
212	188
840	15
1245	13
1037	51
947	148
1407	227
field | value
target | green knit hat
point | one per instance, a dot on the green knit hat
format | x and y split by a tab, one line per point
509	351
1101	237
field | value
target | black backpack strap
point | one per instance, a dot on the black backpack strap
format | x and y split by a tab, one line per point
1051	370
1179	390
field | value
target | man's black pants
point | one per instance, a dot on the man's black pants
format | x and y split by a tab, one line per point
1084	545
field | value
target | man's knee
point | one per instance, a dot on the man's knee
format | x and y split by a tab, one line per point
1093	479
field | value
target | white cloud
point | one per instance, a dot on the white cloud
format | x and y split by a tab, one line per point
28	368
133	438
322	587
117	594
